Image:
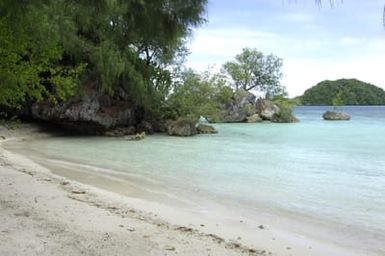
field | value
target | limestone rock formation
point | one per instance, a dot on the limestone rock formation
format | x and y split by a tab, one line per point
241	106
266	109
335	116
284	117
91	113
254	119
138	136
181	127
206	129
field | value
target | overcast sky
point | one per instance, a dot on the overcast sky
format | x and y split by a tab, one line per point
346	41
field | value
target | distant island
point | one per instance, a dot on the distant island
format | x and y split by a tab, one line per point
352	91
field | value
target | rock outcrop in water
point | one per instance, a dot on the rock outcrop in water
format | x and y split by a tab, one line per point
245	108
187	127
335	116
266	109
138	136
181	127
285	116
206	129
239	108
256	118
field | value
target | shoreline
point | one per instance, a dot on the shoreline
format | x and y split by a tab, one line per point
216	239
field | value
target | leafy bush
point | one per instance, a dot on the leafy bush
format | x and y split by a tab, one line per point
285	114
198	95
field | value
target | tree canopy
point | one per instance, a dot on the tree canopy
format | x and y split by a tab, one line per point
253	70
47	46
199	94
348	91
30	55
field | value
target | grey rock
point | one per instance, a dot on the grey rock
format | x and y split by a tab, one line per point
266	109
335	116
181	127
121	131
138	136
254	119
146	127
241	106
284	115
93	112
284	118
206	129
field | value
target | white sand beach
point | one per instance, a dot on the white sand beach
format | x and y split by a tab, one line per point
42	213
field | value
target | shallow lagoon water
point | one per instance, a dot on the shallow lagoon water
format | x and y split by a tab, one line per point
330	173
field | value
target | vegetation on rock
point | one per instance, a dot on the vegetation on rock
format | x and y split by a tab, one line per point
198	95
335	116
106	64
285	112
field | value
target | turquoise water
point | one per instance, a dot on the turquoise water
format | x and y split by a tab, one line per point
331	173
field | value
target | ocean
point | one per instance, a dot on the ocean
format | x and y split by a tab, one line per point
330	174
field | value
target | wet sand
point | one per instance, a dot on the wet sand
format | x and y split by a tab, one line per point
48	211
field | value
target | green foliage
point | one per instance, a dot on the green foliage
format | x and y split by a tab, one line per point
282	99
297	101
30	56
224	94
337	100
45	45
130	43
285	114
252	70
351	92
198	95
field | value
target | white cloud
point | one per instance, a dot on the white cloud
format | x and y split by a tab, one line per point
350	41
306	61
228	42
301	74
299	17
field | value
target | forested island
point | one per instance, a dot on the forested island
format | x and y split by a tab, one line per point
350	91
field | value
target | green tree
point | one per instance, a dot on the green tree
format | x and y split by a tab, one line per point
252	70
198	95
31	55
337	101
131	44
45	44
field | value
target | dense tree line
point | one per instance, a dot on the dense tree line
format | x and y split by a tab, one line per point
49	49
350	91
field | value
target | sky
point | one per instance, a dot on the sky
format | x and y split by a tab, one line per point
315	42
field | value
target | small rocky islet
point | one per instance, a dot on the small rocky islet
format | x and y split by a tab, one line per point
336	116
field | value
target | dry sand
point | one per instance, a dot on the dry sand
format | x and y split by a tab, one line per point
46	214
